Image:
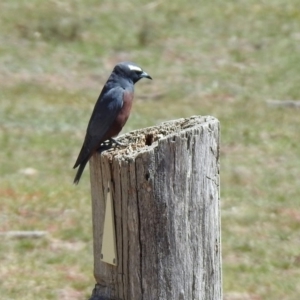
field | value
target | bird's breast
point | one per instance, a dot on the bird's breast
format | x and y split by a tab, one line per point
122	116
125	110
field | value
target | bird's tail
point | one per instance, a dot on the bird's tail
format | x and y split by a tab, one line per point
80	170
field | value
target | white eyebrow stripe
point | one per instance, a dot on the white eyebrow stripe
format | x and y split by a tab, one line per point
134	68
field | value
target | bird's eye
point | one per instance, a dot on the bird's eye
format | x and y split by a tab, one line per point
139	72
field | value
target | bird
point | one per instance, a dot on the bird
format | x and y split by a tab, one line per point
111	111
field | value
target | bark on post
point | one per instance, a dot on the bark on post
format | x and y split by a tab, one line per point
165	190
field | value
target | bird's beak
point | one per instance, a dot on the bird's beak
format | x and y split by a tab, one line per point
145	75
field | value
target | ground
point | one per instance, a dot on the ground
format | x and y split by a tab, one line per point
219	58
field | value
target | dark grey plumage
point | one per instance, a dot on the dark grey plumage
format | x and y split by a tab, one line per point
111	111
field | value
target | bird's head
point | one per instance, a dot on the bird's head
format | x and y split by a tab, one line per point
130	71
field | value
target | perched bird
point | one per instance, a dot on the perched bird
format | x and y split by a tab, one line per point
111	111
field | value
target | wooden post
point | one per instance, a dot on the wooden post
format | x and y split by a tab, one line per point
166	202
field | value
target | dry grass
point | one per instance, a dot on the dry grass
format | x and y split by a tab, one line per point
220	58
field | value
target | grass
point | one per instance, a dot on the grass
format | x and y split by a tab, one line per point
220	58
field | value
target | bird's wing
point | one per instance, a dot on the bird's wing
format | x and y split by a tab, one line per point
105	112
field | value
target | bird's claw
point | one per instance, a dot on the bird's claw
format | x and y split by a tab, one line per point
117	143
104	147
109	144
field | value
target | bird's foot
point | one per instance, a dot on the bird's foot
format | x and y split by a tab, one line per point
104	147
109	144
117	143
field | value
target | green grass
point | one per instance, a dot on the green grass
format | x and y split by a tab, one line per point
220	58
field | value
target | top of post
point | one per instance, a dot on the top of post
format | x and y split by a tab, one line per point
143	140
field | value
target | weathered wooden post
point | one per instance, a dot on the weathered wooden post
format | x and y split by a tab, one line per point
166	213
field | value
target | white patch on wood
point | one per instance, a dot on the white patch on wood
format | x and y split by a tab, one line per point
108	251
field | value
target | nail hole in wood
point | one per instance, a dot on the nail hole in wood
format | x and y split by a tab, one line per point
147	176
